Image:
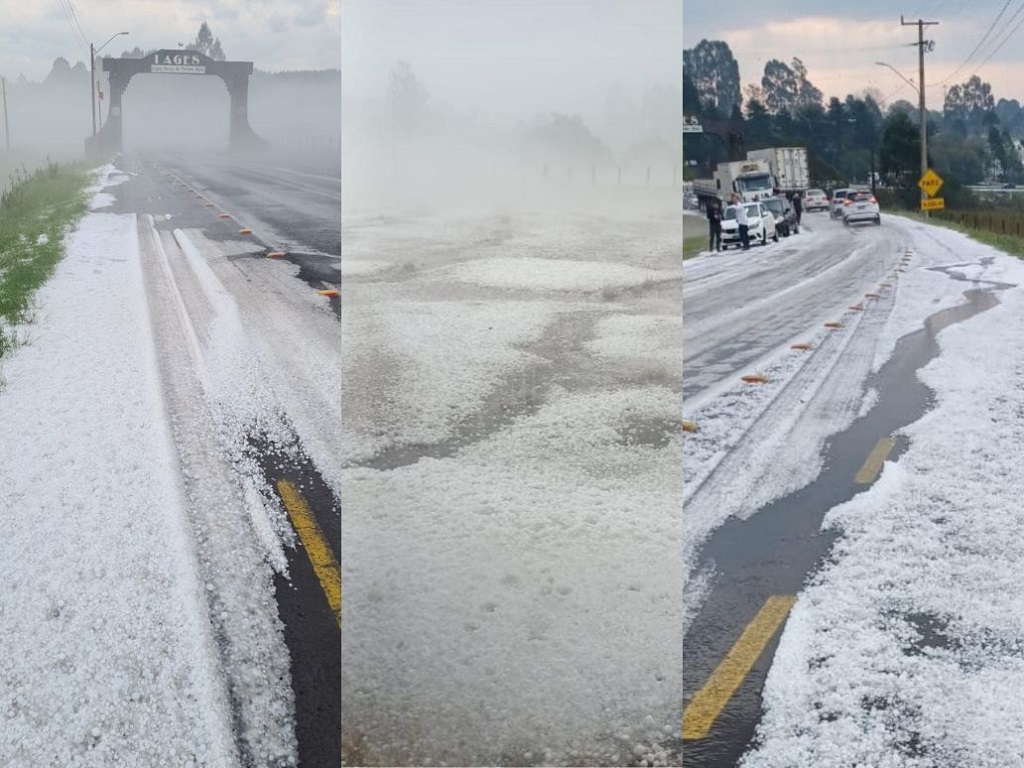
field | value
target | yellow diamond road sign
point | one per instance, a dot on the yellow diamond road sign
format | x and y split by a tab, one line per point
930	182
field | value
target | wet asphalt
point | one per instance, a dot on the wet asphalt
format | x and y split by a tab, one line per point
774	551
311	630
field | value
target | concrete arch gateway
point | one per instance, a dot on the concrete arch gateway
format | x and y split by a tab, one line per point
235	75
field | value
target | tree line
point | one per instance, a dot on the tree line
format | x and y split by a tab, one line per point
971	140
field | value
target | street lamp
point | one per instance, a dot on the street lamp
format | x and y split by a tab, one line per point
92	82
890	66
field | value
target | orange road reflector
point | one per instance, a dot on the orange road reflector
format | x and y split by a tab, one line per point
885	285
857	307
872	296
755	378
209	205
245	231
689	426
901	270
275	255
833	325
803	347
331	292
225	216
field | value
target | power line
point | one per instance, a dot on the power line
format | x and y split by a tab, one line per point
980	42
74	16
76	33
1005	39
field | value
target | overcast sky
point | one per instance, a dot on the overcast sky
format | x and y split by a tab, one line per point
513	57
840	42
274	34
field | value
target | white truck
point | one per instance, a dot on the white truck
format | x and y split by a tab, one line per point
765	172
788	165
748	178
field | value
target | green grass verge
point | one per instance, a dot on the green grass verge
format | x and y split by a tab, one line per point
694	244
36	211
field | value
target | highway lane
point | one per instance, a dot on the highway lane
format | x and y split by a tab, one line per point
752	526
740	306
743	574
292	202
260	412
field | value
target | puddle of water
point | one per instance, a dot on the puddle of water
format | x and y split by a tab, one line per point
773	551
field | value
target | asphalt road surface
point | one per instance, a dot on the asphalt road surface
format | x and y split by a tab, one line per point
233	211
746	570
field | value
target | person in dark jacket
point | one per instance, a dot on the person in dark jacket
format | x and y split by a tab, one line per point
798	206
714	210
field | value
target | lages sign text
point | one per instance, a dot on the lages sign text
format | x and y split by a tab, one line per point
178	63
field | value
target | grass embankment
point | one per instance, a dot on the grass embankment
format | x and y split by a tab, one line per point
36	211
695	235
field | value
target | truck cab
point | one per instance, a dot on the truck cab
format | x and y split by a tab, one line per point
750	179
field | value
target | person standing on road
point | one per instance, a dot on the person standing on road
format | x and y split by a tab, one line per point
742	222
798	206
714	209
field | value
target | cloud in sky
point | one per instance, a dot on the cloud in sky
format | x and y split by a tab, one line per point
840	45
274	34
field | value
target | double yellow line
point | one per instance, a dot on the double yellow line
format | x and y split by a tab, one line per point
707	704
325	566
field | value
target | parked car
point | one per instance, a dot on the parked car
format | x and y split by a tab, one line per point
838	196
815	200
860	205
761	225
785	216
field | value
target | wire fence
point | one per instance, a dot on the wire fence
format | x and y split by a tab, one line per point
528	175
997	222
605	176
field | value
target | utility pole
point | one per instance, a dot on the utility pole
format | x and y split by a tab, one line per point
7	127
924	117
92	86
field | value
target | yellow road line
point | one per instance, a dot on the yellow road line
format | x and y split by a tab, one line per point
873	464
708	703
320	555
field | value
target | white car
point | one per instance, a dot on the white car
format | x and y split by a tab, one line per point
860	205
815	200
836	209
761	225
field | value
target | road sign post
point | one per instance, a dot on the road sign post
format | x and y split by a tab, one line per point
930	182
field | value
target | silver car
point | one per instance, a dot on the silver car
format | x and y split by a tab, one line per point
836	206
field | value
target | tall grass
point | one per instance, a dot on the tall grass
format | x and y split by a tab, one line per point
37	209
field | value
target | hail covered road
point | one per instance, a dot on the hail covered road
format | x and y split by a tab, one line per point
761	440
242	263
801	364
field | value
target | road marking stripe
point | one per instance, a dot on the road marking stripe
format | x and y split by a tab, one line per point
708	703
320	555
868	472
